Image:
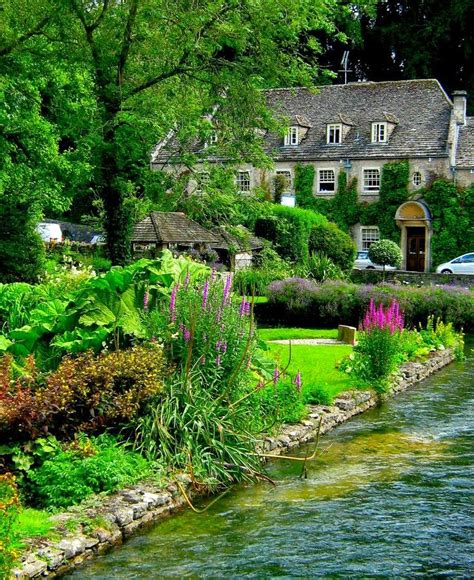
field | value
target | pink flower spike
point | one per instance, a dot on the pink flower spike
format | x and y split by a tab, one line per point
205	295
174	293
298	382
276	376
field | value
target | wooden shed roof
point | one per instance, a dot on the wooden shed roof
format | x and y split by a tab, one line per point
171	227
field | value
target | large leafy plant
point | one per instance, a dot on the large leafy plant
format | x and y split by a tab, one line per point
103	311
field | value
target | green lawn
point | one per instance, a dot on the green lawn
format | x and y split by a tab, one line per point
292	333
321	380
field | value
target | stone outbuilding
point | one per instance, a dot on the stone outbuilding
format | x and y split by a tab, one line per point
236	251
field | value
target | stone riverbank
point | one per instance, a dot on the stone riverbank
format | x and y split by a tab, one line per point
104	522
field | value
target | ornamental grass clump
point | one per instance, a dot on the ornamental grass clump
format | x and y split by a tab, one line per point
379	347
206	421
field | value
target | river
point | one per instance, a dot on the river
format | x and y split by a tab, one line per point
389	495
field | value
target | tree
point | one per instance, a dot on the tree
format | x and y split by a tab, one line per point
385	253
407	39
154	65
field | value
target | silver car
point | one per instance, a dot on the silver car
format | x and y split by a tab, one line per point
363	262
461	265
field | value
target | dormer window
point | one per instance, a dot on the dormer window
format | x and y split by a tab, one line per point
334	134
211	140
379	133
292	137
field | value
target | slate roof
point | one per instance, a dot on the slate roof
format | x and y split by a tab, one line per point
227	240
171	227
465	152
419	109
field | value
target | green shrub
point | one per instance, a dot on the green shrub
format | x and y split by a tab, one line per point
283	400
9	510
328	239
86	392
267	267
288	228
85	467
22	252
320	268
385	253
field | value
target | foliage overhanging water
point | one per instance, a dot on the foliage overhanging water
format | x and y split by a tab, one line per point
389	496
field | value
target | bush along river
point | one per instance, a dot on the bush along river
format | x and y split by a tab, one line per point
388	495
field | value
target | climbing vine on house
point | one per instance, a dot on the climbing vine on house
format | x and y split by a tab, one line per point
393	192
346	210
452	211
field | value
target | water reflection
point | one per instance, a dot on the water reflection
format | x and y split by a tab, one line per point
389	495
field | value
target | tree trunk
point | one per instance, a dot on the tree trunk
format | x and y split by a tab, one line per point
117	223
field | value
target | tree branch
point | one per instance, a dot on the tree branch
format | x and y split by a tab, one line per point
34	31
127	41
181	67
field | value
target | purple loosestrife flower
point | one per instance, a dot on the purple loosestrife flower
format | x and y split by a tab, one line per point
186	281
244	309
227	288
146	300
298	382
174	293
213	275
186	335
205	294
276	376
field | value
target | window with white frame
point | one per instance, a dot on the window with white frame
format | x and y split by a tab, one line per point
291	137
334	134
326	181
416	178
242	180
286	176
379	133
211	140
202	181
369	235
371	180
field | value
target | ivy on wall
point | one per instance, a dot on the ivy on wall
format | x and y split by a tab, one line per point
393	192
345	208
452	212
451	207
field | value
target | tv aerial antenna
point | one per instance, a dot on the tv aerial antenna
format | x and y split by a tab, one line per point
345	65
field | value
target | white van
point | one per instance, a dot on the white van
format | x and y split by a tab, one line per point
50	232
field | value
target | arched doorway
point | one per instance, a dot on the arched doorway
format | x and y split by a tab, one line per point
414	220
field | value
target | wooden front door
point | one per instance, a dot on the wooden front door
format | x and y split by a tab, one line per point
416	247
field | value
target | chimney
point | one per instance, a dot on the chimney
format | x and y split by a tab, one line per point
459	108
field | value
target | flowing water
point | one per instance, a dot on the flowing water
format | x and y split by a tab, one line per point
390	495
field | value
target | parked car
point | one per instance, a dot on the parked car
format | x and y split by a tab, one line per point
461	265
363	262
50	232
98	239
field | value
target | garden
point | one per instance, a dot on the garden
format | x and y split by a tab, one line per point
159	367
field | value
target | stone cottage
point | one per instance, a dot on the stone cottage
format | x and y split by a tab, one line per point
357	128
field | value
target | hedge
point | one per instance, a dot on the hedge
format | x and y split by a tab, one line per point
289	229
298	302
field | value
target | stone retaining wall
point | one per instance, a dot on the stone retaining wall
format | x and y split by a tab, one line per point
104	522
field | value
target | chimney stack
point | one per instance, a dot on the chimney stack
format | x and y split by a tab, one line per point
459	108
